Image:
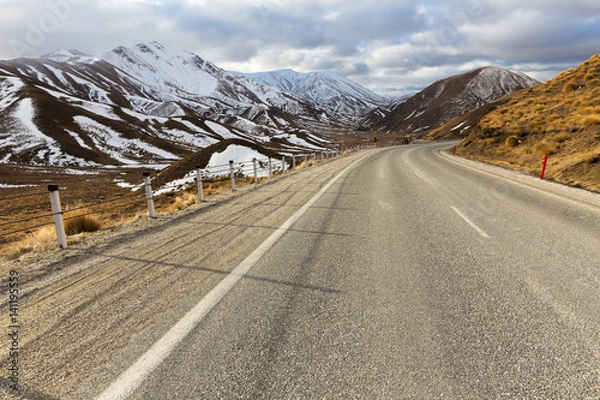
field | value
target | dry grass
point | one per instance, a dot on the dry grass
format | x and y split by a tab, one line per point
560	118
544	148
80	224
561	137
180	202
569	102
511	141
43	239
590	120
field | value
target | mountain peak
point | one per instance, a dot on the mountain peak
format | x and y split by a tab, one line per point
68	55
146	102
326	89
449	98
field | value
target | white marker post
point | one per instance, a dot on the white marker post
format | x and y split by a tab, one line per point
200	185
57	215
232	175
149	199
255	163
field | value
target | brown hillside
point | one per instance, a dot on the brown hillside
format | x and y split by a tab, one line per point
560	118
449	98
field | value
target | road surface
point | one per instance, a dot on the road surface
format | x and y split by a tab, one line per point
396	273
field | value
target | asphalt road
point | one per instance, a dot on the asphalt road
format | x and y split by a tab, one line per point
413	275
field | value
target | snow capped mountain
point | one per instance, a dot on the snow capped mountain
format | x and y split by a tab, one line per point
154	104
331	90
140	104
446	99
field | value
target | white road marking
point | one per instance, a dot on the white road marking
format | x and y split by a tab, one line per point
468	221
133	377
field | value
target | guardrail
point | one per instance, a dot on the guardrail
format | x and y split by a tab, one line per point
74	202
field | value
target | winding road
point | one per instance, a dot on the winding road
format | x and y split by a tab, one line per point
394	273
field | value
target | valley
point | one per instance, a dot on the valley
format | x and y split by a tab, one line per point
93	123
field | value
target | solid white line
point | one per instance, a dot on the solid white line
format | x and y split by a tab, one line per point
133	377
468	221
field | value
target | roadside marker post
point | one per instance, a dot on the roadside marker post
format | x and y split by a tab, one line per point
149	199
57	215
200	185
232	175
255	165
544	167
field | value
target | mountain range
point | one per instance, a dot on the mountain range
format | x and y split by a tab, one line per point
147	103
329	90
446	99
155	104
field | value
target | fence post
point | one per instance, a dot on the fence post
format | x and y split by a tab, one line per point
232	175
149	199
283	166
57	215
270	168
305	161
293	163
200	185
255	163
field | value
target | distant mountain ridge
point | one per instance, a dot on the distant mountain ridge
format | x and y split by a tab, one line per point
330	90
446	99
156	104
140	104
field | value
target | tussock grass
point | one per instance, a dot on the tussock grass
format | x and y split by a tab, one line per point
43	239
80	220
80	224
511	141
590	120
180	202
561	137
544	148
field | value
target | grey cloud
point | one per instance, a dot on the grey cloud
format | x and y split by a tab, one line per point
387	44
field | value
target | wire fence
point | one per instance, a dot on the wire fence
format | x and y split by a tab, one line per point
104	201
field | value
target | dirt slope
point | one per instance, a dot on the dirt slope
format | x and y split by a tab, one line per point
560	118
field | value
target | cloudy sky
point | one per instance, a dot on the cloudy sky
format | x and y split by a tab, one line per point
389	46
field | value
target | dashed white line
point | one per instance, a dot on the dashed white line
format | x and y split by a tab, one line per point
468	221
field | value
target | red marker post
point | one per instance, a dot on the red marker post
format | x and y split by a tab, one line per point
544	167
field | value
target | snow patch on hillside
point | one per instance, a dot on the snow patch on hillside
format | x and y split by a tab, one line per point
8	89
234	152
127	151
220	130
